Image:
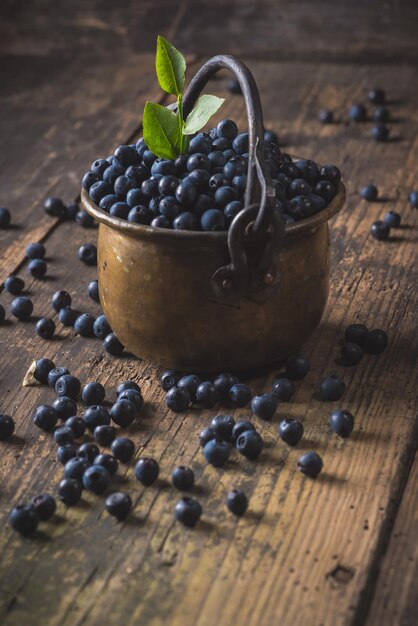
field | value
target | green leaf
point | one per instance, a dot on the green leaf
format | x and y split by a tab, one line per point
203	110
170	66
161	130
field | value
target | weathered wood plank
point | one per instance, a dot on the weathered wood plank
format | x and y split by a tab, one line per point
269	29
395	598
306	552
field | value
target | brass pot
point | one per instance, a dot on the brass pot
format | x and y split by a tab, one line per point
217	301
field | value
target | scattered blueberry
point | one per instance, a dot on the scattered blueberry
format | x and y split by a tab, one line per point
44	505
107	461
290	431
216	452
380	230
126	385
77	425
68	385
413	199
342	423
178	399
240	394
207	395
45	417
60	299
24	519
93	290
250	444
169	379
356	333
206	435
2	314
64	435
369	193
104	435
14	285
191	383
123	449
37	268
380	132
119	505
392	219
183	478
75	468
84	325
87	253
22	308
376	96
69	491
35	251
326	116
222	426
67	316
112	345
96	415
96	479
133	396
45	328
223	384
297	367
283	389
5	218
7	427
41	370
147	471
54	207
331	387
101	327
239	428
65	453
93	393
381	114
310	464
264	406
237	502
375	341
357	113
88	451
55	373
123	413
351	353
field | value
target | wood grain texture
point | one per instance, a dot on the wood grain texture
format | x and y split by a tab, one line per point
395	598
307	552
311	31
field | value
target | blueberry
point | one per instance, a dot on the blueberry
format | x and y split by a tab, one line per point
101	327
160	222
375	341
167	185
183	478
223	384
342	423
206	435
54	207
35	251
134	197
191	383
241	427
96	479
84	325
68	385
377	96
102	188
126	155
249	444
93	393
310	464
65	453
351	353
186	221
239	183
69	491
148	158
37	268
325	189
264	406
308	170
283	389
200	143
126	385
326	117
119	505
44	505
60	299
290	431
77	425
93	290
232	209
5	217
213	220
108	201
45	417
413	199
45	328
7	427
298	187
169	209
84	219
163	167
186	194
224	195
222	426
21	308
237	502
89	179
120	210
188	511
331	387
380	230
67	316
96	415
112	345
147	471
356	333
331	173
107	461
64	435
87	253
241	143
140	215
42	367
392	219
123	449
222	144
138	173
134	396
227	129
14	285
380	132
2	314
297	367
75	468
88	451
169	379
55	373
207	395
24	519
178	399
123	413
65	407
149	187
271	136
216	452
104	435
381	114
240	394
99	166
369	193
236	166
357	113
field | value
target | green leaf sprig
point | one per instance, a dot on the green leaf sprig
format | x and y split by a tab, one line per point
166	133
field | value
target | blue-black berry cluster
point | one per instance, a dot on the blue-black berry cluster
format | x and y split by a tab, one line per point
204	189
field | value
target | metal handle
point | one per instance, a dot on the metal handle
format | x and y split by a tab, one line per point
258	224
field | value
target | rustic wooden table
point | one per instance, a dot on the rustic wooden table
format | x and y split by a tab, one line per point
341	550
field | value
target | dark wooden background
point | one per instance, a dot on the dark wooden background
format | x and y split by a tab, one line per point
341	551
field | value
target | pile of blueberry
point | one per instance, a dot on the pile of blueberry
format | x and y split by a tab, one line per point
358	113
204	189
